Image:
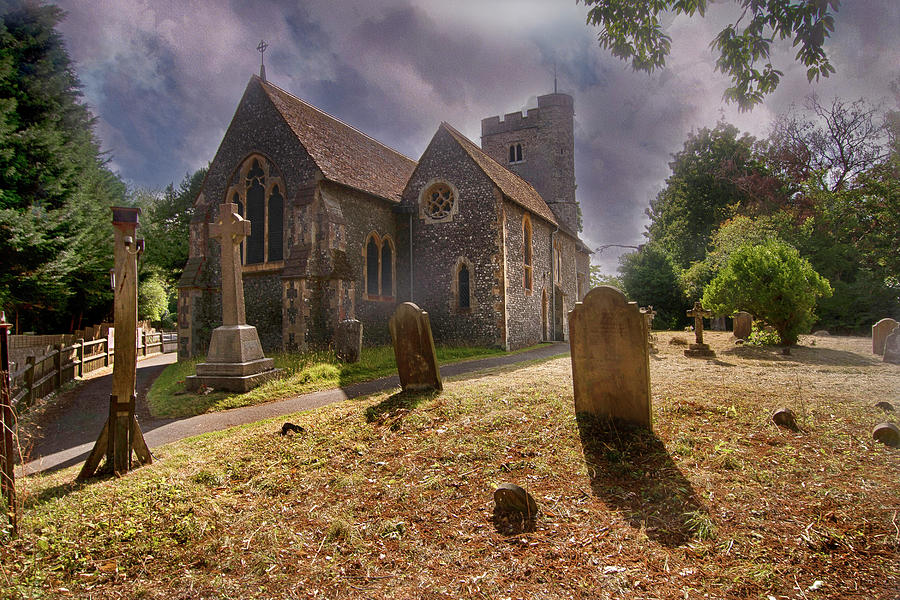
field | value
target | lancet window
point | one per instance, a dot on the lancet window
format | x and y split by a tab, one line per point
257	189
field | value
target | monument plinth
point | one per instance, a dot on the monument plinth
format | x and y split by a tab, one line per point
235	361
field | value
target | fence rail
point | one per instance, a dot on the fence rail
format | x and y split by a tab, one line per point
41	376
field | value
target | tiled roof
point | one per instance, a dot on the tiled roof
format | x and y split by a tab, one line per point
343	154
513	187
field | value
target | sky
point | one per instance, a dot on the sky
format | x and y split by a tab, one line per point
164	77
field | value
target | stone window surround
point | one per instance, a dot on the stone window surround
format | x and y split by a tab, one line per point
454	287
454	210
527	253
273	178
379	244
516	153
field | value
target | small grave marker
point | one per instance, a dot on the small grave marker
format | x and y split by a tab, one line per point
414	349
784	417
511	498
892	348
880	331
888	434
348	337
610	357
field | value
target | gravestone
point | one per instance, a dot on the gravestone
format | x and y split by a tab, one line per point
699	349
235	361
511	498
717	324
880	331
743	325
649	313
892	348
414	348
610	357
348	337
888	434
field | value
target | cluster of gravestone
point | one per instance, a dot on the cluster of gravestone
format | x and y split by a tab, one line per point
886	343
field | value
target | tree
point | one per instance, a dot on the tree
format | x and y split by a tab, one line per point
152	299
631	29
598	278
772	282
165	225
55	190
650	279
832	144
701	192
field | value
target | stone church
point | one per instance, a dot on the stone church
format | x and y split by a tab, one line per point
342	226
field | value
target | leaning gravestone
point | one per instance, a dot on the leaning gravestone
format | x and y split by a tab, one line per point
414	348
743	324
348	336
892	348
880	331
610	357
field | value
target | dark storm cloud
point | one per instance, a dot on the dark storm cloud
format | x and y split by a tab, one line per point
165	77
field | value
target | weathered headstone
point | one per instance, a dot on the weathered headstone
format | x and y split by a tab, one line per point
699	349
610	357
892	348
649	313
743	325
885	406
880	331
348	337
414	348
717	323
235	361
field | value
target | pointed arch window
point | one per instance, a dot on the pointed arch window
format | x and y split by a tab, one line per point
257	188
557	262
462	297
527	254
380	267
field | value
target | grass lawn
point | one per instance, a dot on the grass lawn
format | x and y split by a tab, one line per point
304	373
390	496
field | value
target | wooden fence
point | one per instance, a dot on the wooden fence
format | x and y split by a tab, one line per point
41	376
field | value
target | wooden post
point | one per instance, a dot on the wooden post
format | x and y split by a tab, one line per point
7	421
29	380
121	433
57	365
80	356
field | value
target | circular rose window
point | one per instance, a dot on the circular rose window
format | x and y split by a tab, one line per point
438	201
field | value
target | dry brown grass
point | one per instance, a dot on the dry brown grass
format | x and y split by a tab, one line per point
391	496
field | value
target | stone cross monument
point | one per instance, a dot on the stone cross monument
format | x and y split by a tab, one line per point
699	349
235	361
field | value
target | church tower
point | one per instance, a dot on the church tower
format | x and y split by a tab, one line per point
540	148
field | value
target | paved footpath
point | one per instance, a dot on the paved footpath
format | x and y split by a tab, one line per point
68	433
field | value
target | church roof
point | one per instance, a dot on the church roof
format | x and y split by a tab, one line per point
513	187
344	155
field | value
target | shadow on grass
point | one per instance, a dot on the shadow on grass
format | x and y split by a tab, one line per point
807	355
393	409
632	472
57	491
508	523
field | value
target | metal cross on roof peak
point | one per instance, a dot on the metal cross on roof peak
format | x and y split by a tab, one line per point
261	47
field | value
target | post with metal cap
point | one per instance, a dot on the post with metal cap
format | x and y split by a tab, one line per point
121	434
7	448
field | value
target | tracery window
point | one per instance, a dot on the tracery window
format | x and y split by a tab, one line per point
257	189
380	267
438	202
527	253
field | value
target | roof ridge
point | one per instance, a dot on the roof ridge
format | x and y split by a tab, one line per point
332	117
